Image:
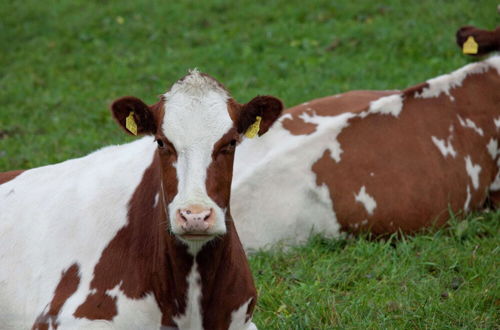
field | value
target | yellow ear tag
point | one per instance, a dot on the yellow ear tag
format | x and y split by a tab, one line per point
254	129
470	46
130	123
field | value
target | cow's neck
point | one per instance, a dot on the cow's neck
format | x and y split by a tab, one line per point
220	264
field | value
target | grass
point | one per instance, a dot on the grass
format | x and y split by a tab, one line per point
63	62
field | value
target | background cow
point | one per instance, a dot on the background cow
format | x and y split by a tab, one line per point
140	235
378	161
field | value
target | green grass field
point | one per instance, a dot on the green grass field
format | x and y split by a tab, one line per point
63	62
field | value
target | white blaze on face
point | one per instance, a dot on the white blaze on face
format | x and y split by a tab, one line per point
196	117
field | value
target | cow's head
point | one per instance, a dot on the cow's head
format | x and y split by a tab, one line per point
197	126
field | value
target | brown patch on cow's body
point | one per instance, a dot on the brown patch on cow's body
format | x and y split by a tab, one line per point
354	101
401	168
7	176
70	279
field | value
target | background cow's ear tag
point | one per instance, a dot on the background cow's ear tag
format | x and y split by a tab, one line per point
470	46
254	129
130	123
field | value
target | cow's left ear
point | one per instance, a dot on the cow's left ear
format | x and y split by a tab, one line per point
258	115
134	116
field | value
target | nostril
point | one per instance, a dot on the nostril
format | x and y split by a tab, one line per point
208	215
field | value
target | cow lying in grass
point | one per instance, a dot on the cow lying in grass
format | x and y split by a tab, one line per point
474	41
137	236
376	161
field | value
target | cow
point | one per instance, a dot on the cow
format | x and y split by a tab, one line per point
381	162
140	235
477	42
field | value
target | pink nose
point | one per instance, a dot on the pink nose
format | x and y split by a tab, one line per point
195	219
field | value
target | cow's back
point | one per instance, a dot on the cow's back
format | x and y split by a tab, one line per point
55	222
275	195
390	163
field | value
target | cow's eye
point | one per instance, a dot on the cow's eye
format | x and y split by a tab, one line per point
160	143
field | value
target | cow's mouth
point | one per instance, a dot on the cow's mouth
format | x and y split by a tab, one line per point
196	237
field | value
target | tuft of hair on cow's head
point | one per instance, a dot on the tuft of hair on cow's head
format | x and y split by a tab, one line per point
134	116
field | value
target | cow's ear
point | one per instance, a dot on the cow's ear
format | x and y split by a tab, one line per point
134	116
258	115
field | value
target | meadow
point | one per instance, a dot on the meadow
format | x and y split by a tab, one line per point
63	62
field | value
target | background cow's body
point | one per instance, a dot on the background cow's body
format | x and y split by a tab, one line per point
373	161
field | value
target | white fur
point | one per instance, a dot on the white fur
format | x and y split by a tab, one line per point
473	171
364	198
238	318
274	187
445	83
445	147
196	117
387	105
496	121
58	215
470	124
192	318
467	200
492	147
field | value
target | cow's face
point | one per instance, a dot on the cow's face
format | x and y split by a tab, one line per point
197	127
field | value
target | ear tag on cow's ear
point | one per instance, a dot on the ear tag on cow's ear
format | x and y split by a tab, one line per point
254	128
470	46
130	123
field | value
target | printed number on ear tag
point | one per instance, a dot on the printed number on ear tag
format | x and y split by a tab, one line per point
130	123
470	46
254	129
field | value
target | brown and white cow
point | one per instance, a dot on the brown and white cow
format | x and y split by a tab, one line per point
378	161
137	236
481	41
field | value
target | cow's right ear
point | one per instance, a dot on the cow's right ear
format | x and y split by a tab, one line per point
134	116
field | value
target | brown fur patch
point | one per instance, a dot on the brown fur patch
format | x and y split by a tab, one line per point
7	176
488	41
401	168
354	101
68	284
267	107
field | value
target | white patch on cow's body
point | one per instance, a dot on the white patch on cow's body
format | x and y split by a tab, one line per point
387	105
492	147
467	200
470	124
59	215
196	117
192	318
445	147
473	171
495	185
496	121
274	187
364	198
445	83
239	316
